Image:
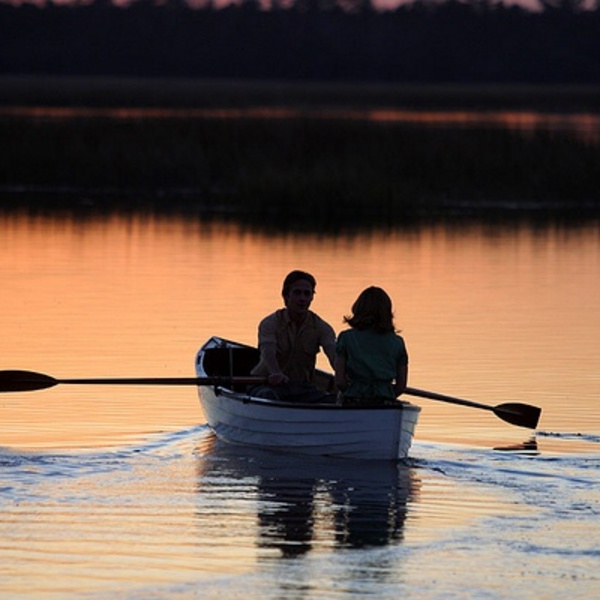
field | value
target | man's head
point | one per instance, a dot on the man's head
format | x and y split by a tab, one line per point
298	291
295	276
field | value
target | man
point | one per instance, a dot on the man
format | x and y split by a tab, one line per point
289	340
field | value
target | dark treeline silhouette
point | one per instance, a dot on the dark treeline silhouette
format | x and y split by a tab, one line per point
314	40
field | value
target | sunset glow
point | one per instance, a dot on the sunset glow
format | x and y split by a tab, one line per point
137	296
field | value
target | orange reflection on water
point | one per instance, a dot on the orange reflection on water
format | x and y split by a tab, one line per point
584	125
492	315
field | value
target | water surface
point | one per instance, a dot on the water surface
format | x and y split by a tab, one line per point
122	492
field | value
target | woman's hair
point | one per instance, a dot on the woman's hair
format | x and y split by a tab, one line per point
372	310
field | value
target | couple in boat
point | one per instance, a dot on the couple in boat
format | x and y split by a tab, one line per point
369	358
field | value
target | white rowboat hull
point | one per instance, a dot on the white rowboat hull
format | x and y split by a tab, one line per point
371	433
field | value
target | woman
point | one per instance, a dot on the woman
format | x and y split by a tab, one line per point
371	364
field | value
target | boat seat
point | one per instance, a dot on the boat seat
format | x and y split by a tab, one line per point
230	362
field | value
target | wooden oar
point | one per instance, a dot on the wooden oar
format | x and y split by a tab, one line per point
24	381
523	415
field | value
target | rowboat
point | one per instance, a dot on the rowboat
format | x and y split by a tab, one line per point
318	429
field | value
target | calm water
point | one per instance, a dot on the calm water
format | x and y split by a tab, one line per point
123	492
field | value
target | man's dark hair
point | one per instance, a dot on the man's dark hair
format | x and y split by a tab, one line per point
294	276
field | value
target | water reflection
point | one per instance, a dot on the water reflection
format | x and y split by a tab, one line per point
345	504
492	313
529	446
585	125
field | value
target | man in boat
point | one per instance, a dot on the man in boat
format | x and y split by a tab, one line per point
289	340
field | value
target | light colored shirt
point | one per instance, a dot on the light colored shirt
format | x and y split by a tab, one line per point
296	347
372	361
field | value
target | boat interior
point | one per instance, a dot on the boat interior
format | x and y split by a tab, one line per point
238	361
230	361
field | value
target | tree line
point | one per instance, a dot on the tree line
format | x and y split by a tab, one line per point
310	40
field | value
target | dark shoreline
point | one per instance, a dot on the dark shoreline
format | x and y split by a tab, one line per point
292	170
197	93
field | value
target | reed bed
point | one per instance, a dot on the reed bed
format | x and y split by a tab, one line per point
307	169
22	90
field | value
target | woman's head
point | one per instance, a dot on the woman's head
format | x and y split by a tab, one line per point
372	310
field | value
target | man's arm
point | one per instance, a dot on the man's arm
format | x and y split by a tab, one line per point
328	342
267	344
268	357
341	379
330	353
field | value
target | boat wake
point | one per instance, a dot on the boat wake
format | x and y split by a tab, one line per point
529	480
24	475
584	437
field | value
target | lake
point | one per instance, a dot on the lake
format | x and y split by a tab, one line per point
122	492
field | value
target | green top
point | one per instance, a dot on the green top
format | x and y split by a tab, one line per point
372	361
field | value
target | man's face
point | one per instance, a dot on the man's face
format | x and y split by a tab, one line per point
299	299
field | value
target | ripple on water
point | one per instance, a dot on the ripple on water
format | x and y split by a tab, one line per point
182	512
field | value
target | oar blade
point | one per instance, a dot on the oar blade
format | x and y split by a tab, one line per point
24	381
522	415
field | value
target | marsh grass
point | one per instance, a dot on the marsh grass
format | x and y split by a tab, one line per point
304	168
227	93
